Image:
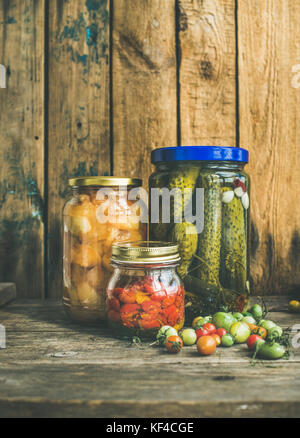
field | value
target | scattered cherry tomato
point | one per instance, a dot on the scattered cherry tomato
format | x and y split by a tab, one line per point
227	340
294	306
206	345
221	332
257	311
211	329
251	341
240	331
200	321
261	331
174	344
216	338
164	332
201	332
188	336
252	327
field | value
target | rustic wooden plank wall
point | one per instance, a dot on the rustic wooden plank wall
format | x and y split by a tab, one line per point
269	97
94	85
78	109
144	82
22	146
207	72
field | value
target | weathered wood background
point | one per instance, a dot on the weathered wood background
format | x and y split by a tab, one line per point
93	85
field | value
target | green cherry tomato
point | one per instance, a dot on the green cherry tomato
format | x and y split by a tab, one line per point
227	340
223	320
200	321
240	331
270	350
188	336
249	320
257	311
267	324
274	333
238	316
294	306
164	332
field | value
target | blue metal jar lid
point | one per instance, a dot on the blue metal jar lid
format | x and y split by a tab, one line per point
199	153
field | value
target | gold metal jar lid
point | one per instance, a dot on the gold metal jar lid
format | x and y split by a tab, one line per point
143	252
106	181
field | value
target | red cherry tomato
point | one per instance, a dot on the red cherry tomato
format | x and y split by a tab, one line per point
221	332
127	296
149	288
201	332
130	308
151	306
172	314
168	301
159	295
211	329
252	340
149	324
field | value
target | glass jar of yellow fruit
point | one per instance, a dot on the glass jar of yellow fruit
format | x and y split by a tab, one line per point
98	214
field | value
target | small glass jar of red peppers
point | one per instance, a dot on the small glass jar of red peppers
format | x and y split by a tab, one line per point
144	292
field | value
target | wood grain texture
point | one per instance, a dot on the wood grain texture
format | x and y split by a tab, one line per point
95	375
7	293
207	72
144	83
79	131
21	145
269	48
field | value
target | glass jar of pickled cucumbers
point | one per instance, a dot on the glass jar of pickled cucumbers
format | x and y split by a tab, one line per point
98	214
144	292
207	193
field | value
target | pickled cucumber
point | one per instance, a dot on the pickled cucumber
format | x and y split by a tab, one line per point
200	298
209	241
183	178
204	299
233	245
185	234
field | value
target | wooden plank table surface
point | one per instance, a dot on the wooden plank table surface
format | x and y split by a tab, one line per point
52	367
